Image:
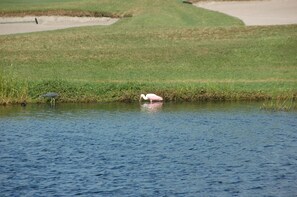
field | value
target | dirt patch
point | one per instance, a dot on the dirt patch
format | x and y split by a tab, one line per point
15	25
267	12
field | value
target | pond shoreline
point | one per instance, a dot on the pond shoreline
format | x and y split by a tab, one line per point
131	96
14	91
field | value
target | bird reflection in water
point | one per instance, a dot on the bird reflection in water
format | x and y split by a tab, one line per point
152	107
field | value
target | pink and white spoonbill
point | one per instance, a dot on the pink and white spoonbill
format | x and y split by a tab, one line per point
151	97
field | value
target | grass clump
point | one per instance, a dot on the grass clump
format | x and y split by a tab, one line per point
12	90
288	104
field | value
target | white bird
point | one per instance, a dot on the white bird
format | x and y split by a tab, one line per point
151	97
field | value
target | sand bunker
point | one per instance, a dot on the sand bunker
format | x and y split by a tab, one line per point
14	25
266	12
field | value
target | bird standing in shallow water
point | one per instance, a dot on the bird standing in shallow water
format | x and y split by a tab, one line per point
151	97
52	96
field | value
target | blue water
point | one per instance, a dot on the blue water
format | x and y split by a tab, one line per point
149	150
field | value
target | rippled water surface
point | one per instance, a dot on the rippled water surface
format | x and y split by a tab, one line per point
149	150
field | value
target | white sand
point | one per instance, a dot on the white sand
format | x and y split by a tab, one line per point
266	12
14	25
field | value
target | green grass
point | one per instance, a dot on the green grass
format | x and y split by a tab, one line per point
107	7
176	50
287	104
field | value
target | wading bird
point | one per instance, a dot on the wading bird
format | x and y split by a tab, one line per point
52	96
151	97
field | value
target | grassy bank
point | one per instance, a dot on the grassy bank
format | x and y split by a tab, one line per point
179	51
13	90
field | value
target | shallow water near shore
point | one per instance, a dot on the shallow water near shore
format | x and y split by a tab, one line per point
170	149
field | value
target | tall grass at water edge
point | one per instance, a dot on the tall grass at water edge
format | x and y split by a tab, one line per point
17	91
288	104
12	90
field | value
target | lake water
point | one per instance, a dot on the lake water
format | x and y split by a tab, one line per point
147	150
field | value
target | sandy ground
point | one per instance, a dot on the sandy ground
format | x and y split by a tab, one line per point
266	12
14	25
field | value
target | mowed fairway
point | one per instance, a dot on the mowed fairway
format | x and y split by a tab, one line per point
177	50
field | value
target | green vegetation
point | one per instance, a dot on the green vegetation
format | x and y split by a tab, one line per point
288	104
179	51
66	7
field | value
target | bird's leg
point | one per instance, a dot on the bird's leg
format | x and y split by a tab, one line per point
53	101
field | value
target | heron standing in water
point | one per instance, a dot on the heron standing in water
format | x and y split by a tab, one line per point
52	96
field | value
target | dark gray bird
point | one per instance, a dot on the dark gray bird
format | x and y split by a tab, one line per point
52	96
